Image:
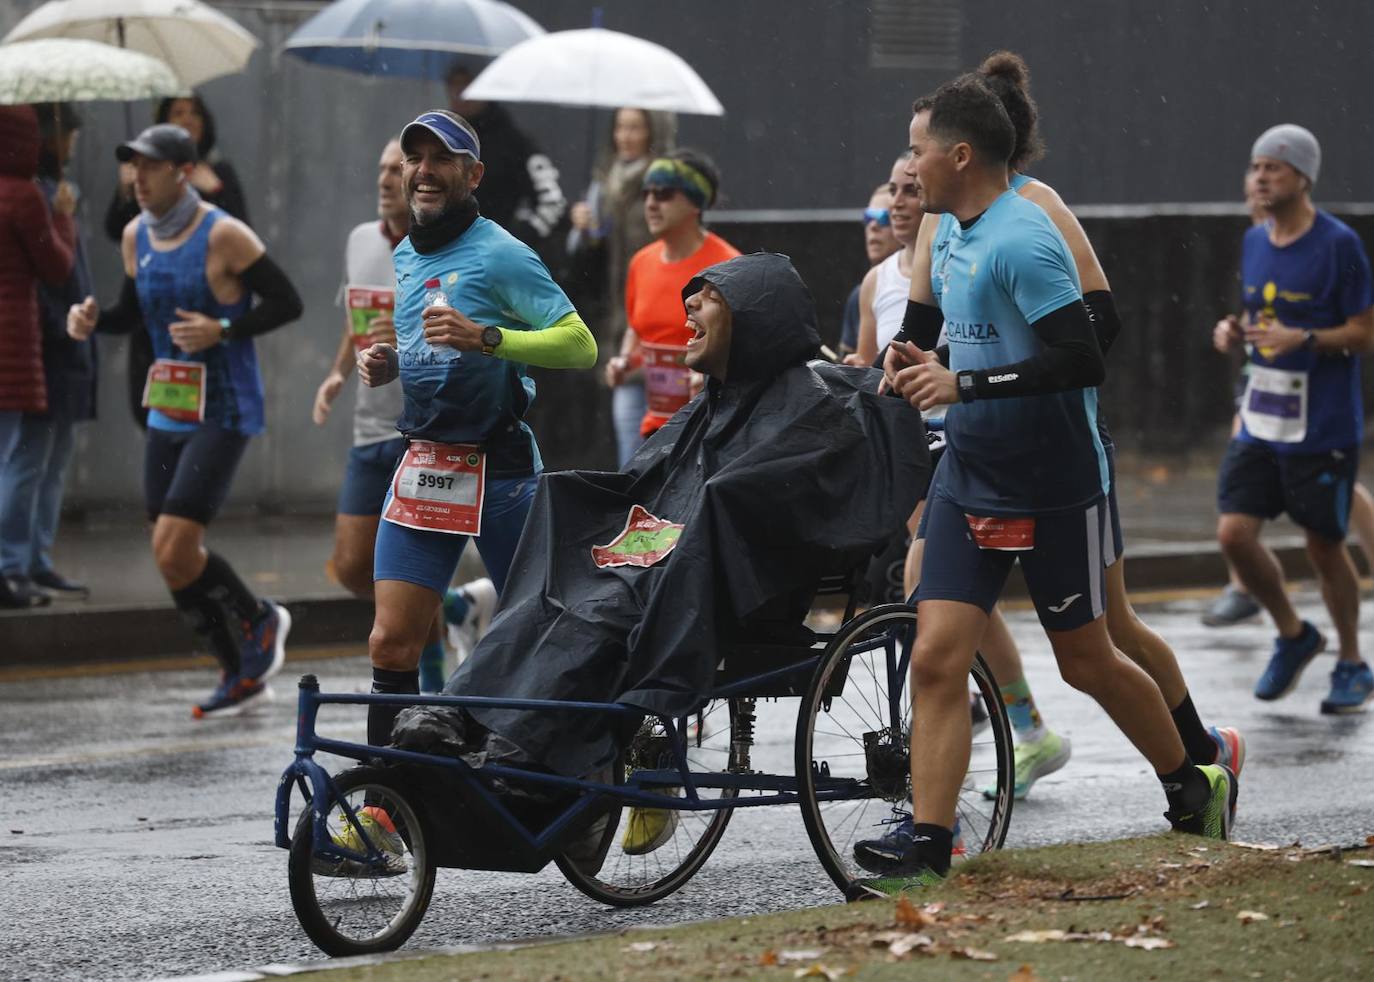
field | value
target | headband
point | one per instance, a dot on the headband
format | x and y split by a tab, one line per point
673	173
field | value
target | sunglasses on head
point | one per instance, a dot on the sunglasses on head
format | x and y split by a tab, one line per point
880	215
659	193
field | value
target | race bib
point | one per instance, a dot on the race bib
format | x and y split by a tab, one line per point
438	487
644	541
1002	534
667	380
1275	405
365	305
176	389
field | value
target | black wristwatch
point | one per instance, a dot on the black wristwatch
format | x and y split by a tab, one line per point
491	340
966	393
1309	340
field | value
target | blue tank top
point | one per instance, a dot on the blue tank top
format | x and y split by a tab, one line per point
176	278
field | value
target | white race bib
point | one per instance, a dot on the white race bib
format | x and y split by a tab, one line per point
1275	405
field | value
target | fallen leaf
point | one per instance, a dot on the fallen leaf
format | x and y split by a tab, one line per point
1249	916
803	955
1149	944
909	916
1023	974
769	957
818	971
903	946
973	954
640	946
1036	937
1368	863
1201	905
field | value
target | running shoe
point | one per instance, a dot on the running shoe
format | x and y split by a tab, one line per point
264	644
1352	685
1035	759
232	696
1291	656
1230	747
884	853
1215	818
468	611
380	831
648	829
1232	607
900	879
59	586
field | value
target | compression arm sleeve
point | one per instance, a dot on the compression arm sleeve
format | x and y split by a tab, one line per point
278	301
1106	321
566	343
921	323
1071	359
125	315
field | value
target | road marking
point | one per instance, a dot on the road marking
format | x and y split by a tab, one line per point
183	663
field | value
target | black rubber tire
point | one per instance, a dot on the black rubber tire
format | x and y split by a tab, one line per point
837	654
673	878
312	917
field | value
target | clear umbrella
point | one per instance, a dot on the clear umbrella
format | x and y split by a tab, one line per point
409	38
595	67
65	70
195	40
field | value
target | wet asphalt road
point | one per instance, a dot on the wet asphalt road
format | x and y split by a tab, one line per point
136	843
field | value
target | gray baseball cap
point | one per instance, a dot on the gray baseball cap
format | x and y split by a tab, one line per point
1294	145
164	141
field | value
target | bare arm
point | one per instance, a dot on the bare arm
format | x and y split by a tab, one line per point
1090	274
867	349
920	263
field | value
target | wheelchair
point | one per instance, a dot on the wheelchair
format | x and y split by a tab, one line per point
366	842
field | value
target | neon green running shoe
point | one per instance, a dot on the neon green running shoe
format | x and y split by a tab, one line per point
900	879
381	832
1035	759
1215	818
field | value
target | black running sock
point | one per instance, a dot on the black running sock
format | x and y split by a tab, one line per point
1202	749
380	719
931	846
232	591
209	619
1186	788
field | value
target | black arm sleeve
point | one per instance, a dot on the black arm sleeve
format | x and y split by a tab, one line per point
120	212
1071	359
278	302
921	323
1106	321
230	197
942	353
126	315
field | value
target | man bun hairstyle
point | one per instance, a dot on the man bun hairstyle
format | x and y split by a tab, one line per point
966	110
1005	72
704	165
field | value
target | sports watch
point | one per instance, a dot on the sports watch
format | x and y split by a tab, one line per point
491	340
966	390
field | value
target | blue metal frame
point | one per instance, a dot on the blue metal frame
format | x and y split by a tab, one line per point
316	785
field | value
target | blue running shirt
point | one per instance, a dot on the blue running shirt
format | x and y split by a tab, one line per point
1320	281
1029	454
456	396
175	278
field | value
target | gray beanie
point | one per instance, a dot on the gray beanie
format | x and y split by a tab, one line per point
1294	145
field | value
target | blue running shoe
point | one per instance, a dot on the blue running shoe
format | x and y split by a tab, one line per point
883	854
1352	685
1291	656
264	644
232	696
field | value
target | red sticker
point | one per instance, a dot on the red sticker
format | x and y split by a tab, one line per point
1002	534
645	540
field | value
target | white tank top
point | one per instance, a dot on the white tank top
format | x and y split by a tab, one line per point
889	298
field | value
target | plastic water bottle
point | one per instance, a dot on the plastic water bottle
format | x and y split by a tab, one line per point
436	297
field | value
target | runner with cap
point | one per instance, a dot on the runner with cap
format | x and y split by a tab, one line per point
473	307
190	272
1307	293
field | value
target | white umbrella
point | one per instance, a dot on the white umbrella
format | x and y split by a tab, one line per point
595	67
64	70
197	41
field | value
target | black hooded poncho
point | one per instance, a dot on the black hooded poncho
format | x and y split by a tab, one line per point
782	473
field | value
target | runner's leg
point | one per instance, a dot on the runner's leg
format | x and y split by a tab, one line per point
1362	521
1340	590
1258	569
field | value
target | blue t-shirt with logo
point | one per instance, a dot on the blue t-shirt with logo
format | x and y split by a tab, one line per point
1320	281
993	280
456	396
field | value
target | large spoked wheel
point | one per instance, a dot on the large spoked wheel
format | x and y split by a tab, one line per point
369	892
650	853
853	746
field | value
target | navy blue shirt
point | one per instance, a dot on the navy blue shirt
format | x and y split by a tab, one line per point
993	280
849	322
1318	282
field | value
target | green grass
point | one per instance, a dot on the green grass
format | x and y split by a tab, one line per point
1183	890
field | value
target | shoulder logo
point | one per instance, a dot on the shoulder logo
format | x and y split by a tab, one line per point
451	279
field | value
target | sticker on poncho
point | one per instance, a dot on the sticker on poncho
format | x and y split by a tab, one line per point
644	541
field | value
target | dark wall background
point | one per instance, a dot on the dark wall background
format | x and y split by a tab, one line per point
1142	104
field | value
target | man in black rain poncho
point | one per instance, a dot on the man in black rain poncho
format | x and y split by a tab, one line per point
778	472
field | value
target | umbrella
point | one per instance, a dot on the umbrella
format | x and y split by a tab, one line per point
196	41
412	38
595	67
65	70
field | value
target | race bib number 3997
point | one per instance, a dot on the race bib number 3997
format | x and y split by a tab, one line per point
438	487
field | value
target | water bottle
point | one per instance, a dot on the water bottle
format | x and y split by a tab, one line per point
436	297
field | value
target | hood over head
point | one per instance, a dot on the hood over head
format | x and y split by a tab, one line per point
18	141
773	318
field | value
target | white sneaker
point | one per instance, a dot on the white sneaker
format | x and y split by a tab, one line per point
481	600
